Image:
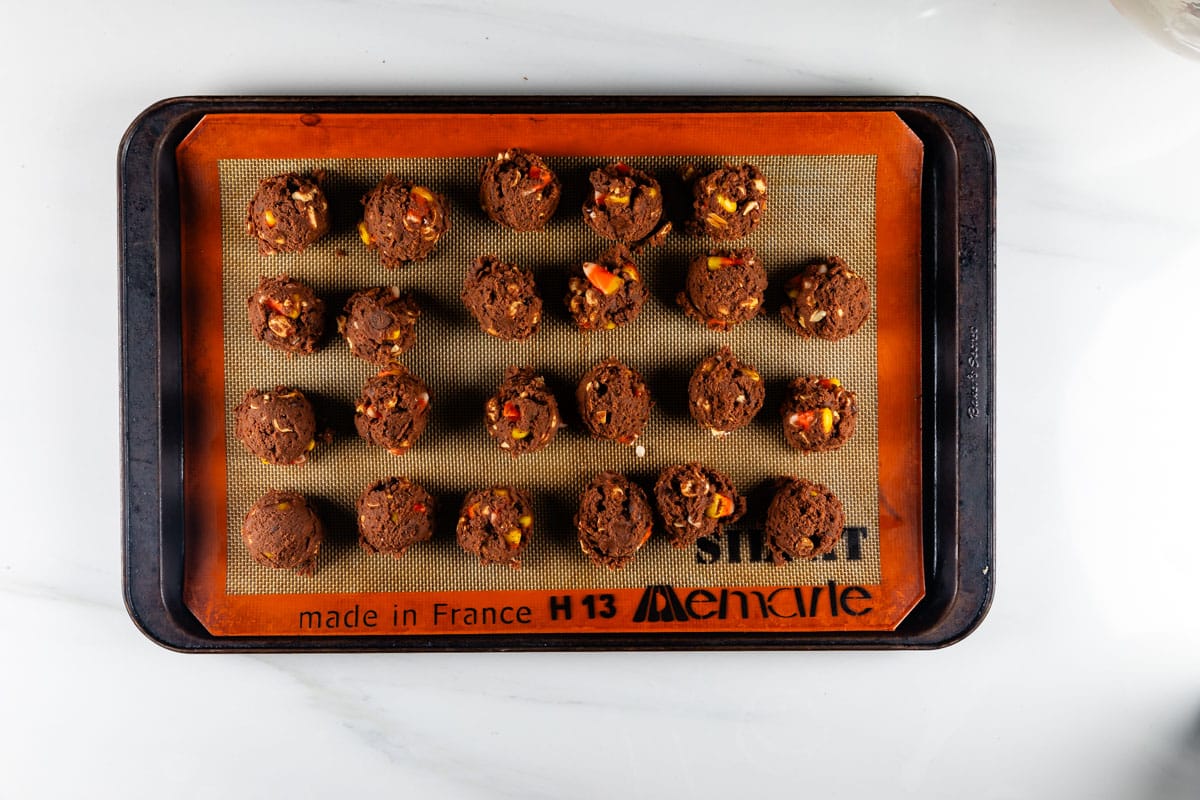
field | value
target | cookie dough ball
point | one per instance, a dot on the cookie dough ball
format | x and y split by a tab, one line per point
818	414
392	410
278	426
519	191
287	315
725	393
282	530
804	520
393	515
724	288
625	204
827	300
380	324
403	221
696	501
607	292
496	524
287	213
503	298
614	520
613	401
523	415
729	202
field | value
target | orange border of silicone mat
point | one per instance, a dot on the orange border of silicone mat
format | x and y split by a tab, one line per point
898	236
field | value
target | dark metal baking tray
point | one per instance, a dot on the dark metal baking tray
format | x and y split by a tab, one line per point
958	398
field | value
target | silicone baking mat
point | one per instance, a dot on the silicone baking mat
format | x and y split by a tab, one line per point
845	185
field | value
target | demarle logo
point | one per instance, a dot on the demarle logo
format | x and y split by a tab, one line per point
662	603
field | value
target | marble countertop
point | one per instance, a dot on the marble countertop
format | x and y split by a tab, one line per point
1083	682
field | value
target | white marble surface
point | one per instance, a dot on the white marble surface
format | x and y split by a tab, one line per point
1084	681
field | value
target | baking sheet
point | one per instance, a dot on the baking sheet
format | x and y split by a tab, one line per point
188	207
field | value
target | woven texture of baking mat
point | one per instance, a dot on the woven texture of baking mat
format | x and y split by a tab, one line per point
819	206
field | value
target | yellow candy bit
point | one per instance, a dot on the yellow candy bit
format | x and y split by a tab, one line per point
423	193
294	306
269	217
727	203
525	521
513	537
362	233
283	506
517	433
827	421
721	506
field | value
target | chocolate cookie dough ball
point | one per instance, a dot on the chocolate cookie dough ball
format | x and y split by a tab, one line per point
393	515
519	191
827	300
392	410
607	292
625	204
696	501
287	315
503	299
523	415
729	202
614	520
287	213
818	414
380	324
724	288
496	524
277	426
403	221
804	520
724	393
613	401
282	530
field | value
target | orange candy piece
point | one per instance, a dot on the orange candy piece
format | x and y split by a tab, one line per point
716	262
601	278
